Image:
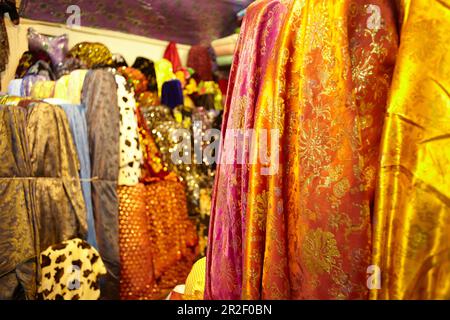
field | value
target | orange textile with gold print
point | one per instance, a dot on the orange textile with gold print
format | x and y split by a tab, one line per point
308	218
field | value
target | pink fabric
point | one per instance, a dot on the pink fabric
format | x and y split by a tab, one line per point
255	46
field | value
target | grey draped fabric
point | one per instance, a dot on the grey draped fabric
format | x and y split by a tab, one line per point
41	203
99	95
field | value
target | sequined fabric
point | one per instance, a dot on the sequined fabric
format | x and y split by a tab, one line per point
173	235
195	175
137	277
157	239
412	209
136	80
91	54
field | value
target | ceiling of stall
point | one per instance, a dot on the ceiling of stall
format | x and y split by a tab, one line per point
182	21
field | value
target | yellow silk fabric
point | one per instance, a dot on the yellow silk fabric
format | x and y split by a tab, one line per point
412	210
43	89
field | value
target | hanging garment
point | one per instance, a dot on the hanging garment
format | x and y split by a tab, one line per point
60	209
130	148
99	95
4	45
76	114
157	239
306	231
135	80
41	193
172	93
226	235
19	238
199	59
412	209
164	72
137	276
173	234
171	54
153	168
147	67
70	271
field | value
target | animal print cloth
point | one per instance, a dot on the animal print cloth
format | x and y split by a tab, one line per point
70	271
130	149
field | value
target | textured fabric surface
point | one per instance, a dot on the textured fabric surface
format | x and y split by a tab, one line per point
41	199
70	271
306	229
99	95
130	148
187	21
229	200
412	210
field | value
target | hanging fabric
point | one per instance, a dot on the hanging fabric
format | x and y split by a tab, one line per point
99	95
171	54
412	209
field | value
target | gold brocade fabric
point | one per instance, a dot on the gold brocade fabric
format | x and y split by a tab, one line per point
412	212
308	220
10	100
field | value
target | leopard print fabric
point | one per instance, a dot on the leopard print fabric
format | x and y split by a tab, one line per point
70	271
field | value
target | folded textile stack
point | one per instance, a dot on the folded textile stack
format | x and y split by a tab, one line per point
224	49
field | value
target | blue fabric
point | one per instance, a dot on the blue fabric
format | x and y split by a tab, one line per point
76	114
172	94
15	87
